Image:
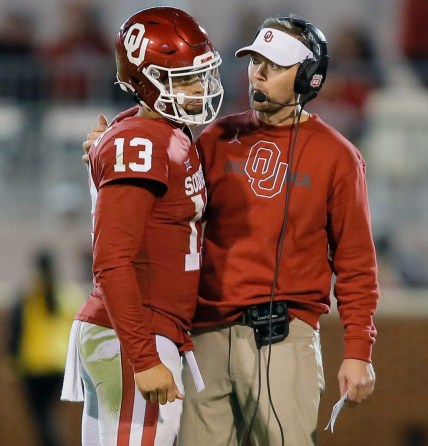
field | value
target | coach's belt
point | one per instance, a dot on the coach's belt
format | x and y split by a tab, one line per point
261	312
269	322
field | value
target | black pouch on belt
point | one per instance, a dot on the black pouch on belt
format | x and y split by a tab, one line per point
266	332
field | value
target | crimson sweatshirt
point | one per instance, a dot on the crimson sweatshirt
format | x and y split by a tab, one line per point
248	169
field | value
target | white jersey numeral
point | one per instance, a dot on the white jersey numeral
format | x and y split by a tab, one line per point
145	155
193	259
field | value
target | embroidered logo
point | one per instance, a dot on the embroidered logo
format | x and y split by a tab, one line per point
235	138
268	36
187	164
264	169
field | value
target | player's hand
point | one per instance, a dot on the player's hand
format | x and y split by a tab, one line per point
96	131
357	378
157	385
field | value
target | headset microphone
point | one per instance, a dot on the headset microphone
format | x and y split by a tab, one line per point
258	96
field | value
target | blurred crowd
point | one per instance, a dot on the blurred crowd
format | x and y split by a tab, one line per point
66	69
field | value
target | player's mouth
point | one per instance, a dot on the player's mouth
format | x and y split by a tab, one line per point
195	104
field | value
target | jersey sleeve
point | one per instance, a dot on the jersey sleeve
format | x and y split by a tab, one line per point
120	220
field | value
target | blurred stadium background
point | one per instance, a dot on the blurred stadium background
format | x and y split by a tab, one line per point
56	75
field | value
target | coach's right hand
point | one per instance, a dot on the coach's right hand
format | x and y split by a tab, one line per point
95	132
157	385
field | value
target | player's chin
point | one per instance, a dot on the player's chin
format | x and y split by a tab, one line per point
194	108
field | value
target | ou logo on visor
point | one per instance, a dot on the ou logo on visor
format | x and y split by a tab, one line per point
135	41
267	174
268	36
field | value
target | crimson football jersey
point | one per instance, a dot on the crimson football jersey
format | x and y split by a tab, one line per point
145	284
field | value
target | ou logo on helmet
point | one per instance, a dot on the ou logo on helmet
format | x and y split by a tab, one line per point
266	172
136	42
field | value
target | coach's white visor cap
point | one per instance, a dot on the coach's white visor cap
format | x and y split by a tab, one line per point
277	46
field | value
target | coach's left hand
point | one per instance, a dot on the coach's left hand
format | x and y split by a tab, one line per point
358	378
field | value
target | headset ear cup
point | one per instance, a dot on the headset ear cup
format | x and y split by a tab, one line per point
302	82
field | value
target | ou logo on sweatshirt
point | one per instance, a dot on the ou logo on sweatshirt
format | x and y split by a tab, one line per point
266	172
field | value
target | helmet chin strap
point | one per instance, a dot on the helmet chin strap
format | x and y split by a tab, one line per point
179	114
195	119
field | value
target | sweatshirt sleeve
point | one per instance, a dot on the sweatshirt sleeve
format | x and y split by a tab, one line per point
354	261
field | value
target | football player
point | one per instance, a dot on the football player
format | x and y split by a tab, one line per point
148	195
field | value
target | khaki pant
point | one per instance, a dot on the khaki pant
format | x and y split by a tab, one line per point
229	363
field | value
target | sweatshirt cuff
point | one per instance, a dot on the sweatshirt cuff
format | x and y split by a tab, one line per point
358	349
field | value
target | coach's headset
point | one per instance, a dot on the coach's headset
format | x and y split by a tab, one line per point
312	73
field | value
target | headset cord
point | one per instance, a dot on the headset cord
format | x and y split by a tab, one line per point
277	265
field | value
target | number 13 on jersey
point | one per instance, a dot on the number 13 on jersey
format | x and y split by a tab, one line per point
145	155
